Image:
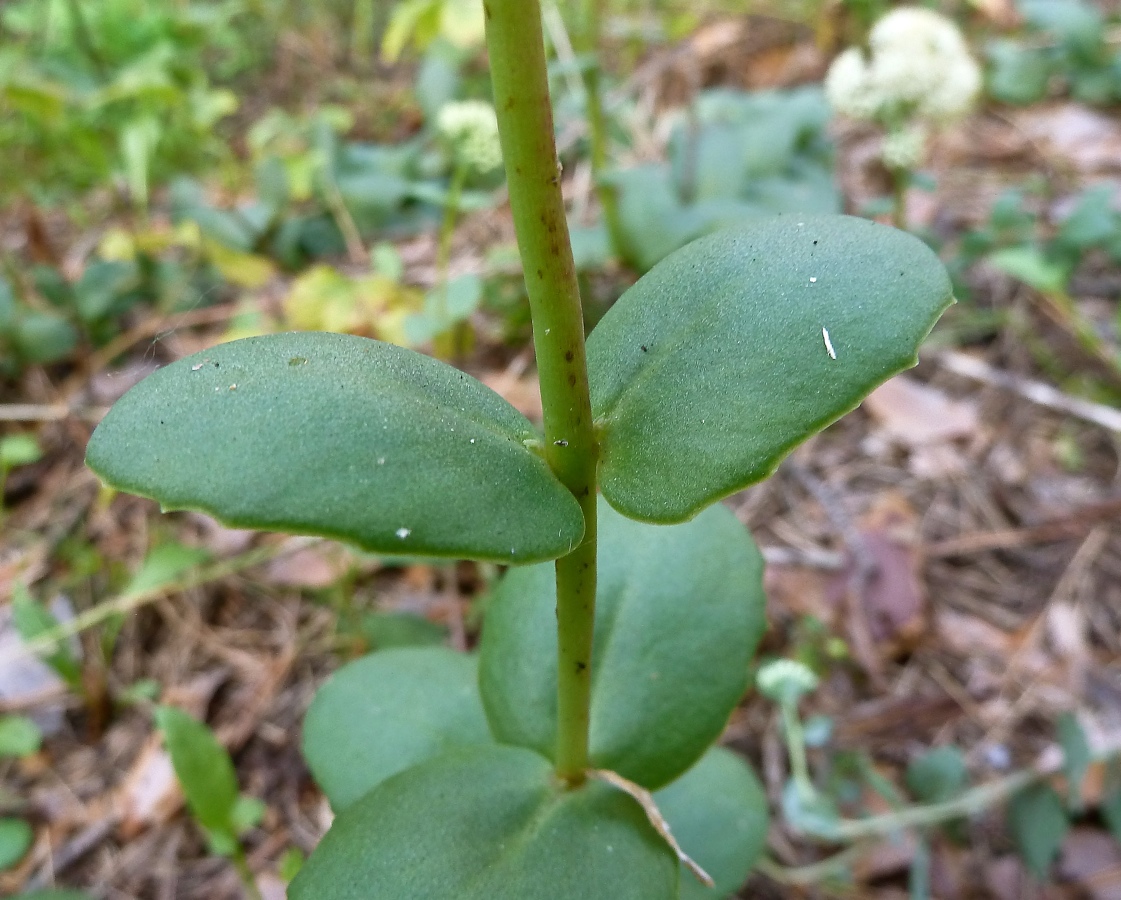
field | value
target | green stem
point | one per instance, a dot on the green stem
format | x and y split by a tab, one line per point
525	121
241	863
83	37
587	46
362	36
900	178
970	803
447	232
814	873
796	746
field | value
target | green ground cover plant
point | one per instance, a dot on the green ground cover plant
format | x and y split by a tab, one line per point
114	90
206	774
1067	49
573	757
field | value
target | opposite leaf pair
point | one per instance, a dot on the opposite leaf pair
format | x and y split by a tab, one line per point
703	375
424	758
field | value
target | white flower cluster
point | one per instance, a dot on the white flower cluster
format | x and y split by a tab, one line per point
785	680
904	148
471	128
918	71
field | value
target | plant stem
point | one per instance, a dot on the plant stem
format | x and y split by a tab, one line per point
900	179
362	35
796	746
84	38
587	46
447	232
525	122
813	873
241	863
970	803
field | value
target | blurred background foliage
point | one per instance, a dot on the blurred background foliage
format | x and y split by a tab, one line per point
248	166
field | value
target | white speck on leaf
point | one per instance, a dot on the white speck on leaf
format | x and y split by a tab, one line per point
813	280
403	533
233	387
828	343
197	366
381	460
472	440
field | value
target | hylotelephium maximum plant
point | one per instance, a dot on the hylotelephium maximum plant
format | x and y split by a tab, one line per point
548	767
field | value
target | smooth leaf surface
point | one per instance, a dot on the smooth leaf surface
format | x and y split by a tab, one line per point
385	630
714	365
341	436
388	711
938	775
1077	756
489	824
679	612
203	767
718	813
1038	824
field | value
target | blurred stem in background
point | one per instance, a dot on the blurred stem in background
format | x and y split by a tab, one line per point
586	42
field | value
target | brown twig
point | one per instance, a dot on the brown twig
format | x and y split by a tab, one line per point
1058	529
1036	391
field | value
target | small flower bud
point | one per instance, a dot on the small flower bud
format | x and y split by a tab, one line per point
471	128
785	680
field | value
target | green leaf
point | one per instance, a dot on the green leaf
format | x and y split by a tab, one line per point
1076	757
290	864
340	436
203	767
814	814
679	612
714	365
222	842
105	289
42	337
1019	74
1029	265
1093	223
489	823
19	450
938	775
1038	824
247	813
163	566
654	221
718	813
15	840
1111	799
381	714
19	736
33	619
384	630
8	308
1078	24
